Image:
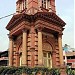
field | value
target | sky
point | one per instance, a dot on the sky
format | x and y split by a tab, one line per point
64	9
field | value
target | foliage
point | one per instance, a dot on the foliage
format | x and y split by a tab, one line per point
55	71
11	70
70	71
32	71
28	70
6	69
1	69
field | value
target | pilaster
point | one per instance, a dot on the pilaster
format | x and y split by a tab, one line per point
24	48
60	49
32	47
32	57
10	51
40	51
53	59
62	66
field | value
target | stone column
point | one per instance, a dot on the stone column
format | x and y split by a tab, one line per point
24	48
62	66
10	51
60	49
40	51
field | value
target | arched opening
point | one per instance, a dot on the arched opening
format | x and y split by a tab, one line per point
47	55
20	54
45	4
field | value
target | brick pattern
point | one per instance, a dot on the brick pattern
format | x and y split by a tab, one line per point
57	54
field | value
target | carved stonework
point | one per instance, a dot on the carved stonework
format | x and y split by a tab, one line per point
48	25
47	47
18	29
19	41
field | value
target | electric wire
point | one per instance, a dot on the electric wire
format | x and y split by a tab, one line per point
7	16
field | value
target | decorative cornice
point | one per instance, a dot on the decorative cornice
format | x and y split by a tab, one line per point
20	27
47	16
47	25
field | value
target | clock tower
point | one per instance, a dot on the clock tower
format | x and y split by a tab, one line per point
35	35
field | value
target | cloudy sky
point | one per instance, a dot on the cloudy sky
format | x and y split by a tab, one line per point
64	8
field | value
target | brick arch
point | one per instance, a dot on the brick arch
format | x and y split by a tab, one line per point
19	44
47	46
51	41
18	50
19	47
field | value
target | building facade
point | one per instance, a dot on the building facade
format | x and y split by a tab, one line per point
65	58
35	34
69	59
4	58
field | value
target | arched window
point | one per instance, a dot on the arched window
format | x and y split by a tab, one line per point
47	57
45	4
23	5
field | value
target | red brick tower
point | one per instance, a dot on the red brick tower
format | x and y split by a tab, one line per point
34	6
35	34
